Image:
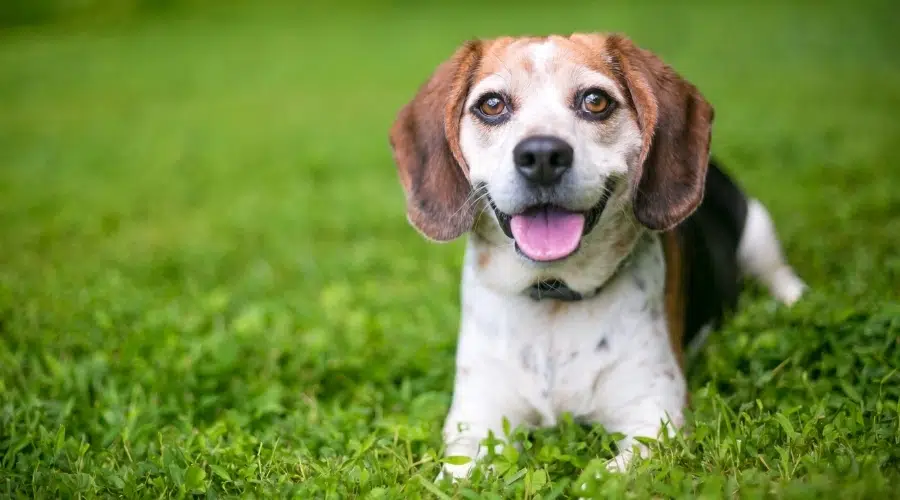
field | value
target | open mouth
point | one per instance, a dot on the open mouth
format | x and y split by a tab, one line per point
547	232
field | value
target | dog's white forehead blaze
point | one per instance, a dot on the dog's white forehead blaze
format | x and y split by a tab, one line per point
542	55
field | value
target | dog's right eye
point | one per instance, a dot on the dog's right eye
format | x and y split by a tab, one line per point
491	108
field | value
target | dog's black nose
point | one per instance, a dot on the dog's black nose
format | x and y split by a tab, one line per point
543	159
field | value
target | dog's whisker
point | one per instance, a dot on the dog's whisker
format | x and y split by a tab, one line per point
474	196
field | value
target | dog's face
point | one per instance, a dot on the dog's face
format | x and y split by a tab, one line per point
542	131
546	133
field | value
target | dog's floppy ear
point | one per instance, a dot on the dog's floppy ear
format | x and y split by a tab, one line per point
676	127
425	144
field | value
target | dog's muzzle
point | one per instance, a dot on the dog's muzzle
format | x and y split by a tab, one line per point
549	232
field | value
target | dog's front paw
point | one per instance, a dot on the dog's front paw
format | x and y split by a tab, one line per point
455	471
619	463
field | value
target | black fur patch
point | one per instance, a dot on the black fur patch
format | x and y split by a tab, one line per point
709	241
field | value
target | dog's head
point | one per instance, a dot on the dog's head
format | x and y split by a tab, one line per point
542	131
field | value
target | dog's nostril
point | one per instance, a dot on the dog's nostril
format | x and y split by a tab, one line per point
562	158
555	159
543	159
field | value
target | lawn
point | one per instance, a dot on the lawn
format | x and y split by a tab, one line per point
208	285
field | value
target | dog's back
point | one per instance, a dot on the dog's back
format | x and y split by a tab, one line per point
728	237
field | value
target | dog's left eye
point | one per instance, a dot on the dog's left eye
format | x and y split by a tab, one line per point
596	104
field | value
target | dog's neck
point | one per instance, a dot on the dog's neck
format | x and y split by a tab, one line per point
494	261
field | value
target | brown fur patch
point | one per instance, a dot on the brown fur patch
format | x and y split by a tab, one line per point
590	50
626	240
494	58
484	258
527	65
556	307
674	294
502	55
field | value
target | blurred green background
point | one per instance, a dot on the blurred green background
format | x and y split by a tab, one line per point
207	281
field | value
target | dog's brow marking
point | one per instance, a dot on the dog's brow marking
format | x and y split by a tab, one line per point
506	78
584	75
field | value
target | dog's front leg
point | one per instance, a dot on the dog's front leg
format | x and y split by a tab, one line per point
483	397
649	421
644	399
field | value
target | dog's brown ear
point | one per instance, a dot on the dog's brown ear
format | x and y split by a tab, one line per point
425	144
676	127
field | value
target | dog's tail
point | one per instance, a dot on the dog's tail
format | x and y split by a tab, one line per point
760	255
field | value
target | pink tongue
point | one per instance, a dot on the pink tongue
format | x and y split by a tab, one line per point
547	234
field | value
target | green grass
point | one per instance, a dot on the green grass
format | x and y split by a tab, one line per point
208	285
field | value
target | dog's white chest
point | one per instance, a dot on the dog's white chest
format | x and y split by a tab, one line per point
571	357
563	366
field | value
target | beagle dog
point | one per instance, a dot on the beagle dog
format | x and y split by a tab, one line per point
602	238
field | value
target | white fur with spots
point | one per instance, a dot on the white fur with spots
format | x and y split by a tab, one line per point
604	360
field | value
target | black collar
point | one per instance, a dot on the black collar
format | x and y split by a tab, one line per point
555	290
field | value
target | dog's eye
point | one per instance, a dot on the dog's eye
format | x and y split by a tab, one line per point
596	104
492	105
492	108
